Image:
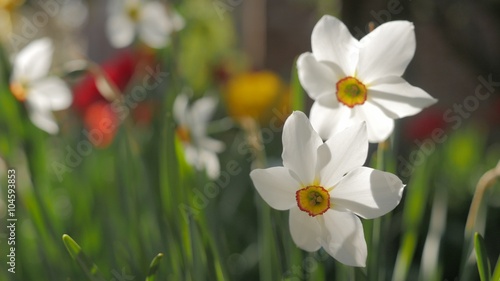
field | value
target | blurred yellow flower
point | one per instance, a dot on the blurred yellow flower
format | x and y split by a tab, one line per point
257	95
9	5
7	8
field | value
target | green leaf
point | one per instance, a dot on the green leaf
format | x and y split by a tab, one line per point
153	267
417	194
483	264
496	271
297	91
76	252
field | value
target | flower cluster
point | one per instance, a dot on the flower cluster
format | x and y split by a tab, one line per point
358	92
356	85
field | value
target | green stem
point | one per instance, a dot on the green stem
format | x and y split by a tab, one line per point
269	265
375	261
476	209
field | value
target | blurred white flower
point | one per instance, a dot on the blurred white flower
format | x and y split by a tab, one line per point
31	84
325	186
353	81
73	14
192	121
149	20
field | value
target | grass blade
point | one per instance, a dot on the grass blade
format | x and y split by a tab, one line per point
496	271
417	194
76	252
298	99
483	264
153	267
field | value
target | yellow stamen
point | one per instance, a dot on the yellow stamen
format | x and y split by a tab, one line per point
133	12
183	134
351	92
19	91
313	199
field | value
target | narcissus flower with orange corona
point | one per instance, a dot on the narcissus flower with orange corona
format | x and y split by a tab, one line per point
353	81
192	122
325	187
150	21
257	95
30	83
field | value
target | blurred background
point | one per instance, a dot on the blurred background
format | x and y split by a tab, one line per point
135	193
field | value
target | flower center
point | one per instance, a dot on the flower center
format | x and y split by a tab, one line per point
313	200
183	134
19	91
133	12
351	92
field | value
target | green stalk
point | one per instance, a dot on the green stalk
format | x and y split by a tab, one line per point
416	197
269	265
429	269
375	260
477	211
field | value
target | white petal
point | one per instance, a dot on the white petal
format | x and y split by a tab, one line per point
316	77
305	230
367	192
180	109
33	62
202	160
117	6
328	121
42	118
276	186
300	143
332	41
378	124
210	163
177	21
344	152
191	154
211	144
55	91
328	100
344	239
398	97
155	26
386	51
200	114
121	30
203	109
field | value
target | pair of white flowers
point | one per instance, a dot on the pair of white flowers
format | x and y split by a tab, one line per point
150	21
358	92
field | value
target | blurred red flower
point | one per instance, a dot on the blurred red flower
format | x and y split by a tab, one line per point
422	125
98	115
102	123
118	70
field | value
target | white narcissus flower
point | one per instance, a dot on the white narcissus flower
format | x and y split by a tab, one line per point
192	121
31	84
353	81
324	186
149	20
